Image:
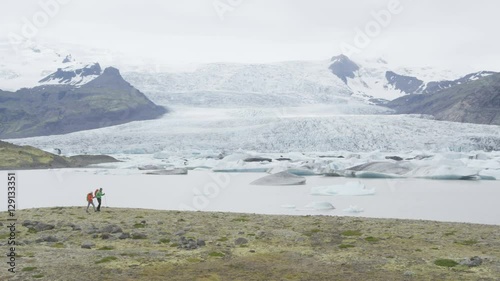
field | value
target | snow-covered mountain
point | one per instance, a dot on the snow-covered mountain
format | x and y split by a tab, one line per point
292	83
377	81
340	80
33	64
75	75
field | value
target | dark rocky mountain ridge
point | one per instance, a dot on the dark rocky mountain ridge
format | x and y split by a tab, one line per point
58	109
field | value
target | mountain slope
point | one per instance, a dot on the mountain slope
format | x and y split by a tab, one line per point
476	101
57	109
28	157
377	81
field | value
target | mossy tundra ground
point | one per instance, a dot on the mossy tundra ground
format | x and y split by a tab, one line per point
66	243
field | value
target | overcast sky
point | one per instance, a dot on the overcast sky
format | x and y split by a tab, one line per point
445	33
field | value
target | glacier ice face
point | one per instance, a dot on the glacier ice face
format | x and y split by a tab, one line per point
188	130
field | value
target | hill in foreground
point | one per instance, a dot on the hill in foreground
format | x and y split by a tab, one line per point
138	244
27	157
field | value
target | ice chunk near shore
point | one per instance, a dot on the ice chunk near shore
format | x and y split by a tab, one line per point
242	170
348	189
301	172
319	206
282	178
353	209
176	171
380	170
445	173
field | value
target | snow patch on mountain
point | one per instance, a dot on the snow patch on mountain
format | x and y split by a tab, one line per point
77	74
31	62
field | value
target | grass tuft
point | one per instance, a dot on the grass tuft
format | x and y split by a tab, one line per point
445	262
106	259
469	242
216	254
351	233
372	239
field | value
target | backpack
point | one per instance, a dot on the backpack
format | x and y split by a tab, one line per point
90	197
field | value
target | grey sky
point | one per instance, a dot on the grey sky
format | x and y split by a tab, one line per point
452	34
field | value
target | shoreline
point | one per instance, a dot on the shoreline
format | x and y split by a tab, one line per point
449	201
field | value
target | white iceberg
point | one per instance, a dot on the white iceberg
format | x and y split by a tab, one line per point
353	209
282	178
445	173
319	206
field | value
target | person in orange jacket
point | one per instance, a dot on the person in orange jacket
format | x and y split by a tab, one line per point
90	200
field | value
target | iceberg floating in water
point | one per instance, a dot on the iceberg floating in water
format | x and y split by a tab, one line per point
348	189
380	170
319	206
445	173
281	178
242	170
447	170
353	209
177	171
301	172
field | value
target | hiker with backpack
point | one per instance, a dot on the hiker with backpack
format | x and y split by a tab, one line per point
99	195
90	200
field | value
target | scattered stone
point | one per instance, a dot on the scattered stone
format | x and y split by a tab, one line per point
180	232
143	222
112	228
92	230
240	241
252	251
472	262
124	236
43	226
88	245
200	242
409	273
160	223
95	236
137	235
1	224
49	238
105	236
38	226
28	223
